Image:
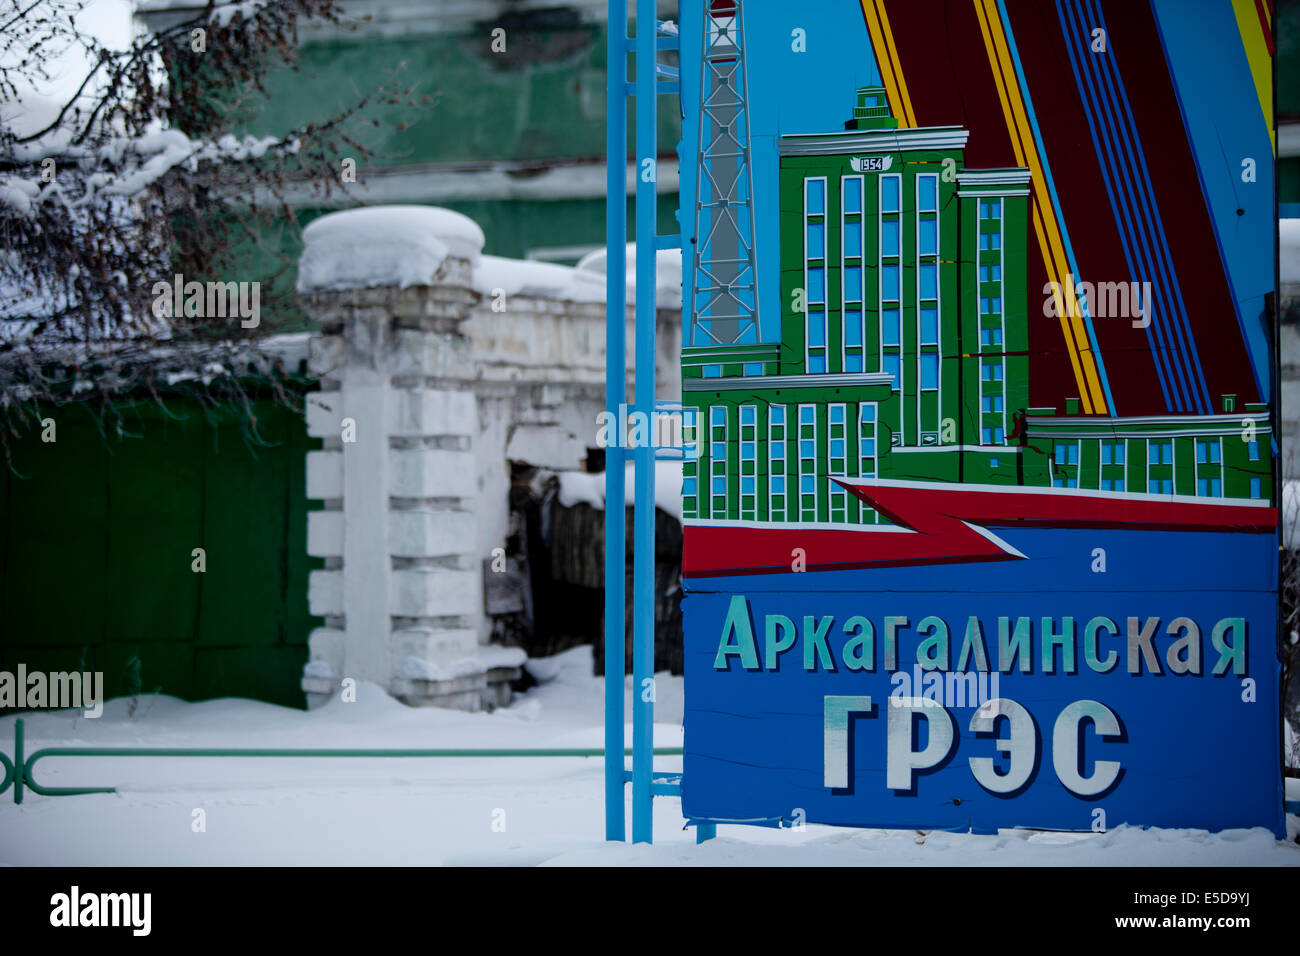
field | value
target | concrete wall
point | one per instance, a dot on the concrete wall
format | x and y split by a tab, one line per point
427	394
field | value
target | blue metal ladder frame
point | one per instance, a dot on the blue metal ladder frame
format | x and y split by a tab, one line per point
661	79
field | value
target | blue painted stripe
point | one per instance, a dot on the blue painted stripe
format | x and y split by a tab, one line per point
1107	65
1146	262
1155	331
1194	35
1051	189
1141	211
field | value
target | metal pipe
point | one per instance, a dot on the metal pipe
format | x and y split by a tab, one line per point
20	770
643	523
615	396
20	765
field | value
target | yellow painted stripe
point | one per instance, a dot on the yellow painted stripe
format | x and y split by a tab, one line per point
1050	260
882	44
1261	64
1062	307
1054	255
1047	228
1076	331
882	62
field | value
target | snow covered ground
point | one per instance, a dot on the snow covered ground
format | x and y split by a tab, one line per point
457	811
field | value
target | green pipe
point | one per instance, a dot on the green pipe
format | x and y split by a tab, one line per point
10	773
21	770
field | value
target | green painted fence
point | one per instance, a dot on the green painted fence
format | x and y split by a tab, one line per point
96	553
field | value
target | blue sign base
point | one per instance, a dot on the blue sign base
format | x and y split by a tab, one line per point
1047	695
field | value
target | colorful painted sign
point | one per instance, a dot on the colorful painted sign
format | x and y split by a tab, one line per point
980	517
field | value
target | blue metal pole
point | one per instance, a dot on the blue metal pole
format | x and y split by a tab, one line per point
643	558
615	396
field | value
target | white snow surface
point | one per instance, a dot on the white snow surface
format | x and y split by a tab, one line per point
540	280
125	165
577	487
406	245
668	274
247	10
383	245
412	811
486	658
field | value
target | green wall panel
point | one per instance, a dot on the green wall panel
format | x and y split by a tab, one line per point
238	527
96	536
55	526
264	673
155	490
483	106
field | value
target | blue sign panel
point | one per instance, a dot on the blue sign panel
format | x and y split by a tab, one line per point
980	506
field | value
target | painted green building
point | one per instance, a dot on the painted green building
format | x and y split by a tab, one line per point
512	133
904	351
1225	455
903	317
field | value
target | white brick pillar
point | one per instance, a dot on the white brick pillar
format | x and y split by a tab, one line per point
401	592
435	592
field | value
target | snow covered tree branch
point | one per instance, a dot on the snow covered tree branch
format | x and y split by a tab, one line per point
143	176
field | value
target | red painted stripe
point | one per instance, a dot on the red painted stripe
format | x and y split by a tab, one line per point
724	551
1263	25
938	516
1050	508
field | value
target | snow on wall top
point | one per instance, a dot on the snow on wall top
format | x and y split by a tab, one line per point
577	487
668	274
405	245
582	283
384	245
541	280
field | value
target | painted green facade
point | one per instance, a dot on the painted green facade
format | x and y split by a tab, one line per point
1225	455
537	107
535	110
904	351
96	553
903	330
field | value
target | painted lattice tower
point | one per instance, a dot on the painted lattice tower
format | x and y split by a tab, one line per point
724	307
